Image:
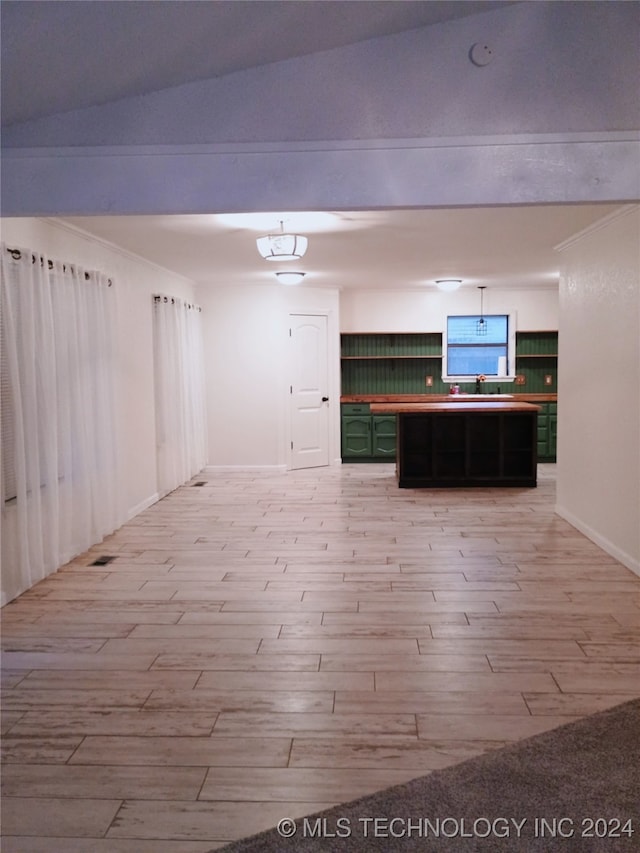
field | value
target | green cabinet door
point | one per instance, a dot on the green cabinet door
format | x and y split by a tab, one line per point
384	435
547	432
356	436
553	436
543	431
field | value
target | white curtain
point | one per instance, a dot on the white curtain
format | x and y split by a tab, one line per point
179	392
59	472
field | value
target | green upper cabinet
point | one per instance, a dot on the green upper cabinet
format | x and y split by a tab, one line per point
391	363
536	362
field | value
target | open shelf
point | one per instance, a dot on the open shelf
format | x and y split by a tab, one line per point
467	449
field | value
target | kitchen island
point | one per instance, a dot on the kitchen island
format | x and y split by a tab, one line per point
470	442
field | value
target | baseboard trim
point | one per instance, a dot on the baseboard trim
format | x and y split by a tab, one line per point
601	541
241	469
145	504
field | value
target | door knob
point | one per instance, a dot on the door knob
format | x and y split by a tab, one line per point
325	399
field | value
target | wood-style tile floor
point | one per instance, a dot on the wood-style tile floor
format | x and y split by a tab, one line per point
267	646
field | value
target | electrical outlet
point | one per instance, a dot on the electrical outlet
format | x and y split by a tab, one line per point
428	381
548	379
520	379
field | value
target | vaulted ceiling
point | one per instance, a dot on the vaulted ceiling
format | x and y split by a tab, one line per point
59	55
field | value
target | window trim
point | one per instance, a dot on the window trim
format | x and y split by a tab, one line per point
511	352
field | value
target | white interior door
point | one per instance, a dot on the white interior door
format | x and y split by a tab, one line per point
309	390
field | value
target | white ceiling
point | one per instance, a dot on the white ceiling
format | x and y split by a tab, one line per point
399	249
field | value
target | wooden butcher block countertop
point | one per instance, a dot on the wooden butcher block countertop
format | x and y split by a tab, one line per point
458	406
445	398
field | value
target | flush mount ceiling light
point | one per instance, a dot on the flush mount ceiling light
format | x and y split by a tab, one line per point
290	277
448	284
282	247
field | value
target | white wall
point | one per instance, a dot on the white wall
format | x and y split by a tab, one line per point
246	334
599	385
136	281
243	340
427	310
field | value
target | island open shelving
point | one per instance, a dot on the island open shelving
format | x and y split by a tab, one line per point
459	443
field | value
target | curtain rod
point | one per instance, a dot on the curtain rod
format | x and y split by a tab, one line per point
173	300
16	254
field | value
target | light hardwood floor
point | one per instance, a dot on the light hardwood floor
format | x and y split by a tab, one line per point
269	645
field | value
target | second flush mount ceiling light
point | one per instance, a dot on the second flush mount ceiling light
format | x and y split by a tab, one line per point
290	277
448	284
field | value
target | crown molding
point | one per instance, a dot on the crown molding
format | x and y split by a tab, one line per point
621	212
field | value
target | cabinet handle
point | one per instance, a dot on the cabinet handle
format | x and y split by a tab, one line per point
325	399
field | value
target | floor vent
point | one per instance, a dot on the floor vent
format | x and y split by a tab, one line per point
104	560
200	483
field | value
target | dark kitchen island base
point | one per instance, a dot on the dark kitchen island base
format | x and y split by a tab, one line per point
444	445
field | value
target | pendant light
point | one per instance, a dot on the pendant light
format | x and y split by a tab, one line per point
282	247
481	324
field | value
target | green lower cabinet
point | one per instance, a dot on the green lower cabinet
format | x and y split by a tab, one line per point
547	432
356	436
553	436
372	438
365	436
384	435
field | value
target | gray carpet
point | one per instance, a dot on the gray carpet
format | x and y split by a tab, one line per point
583	779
